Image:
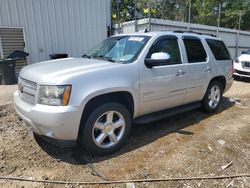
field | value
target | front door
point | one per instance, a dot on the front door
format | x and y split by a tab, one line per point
163	87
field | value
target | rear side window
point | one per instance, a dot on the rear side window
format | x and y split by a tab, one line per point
219	49
195	50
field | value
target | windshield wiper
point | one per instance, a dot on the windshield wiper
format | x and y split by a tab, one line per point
105	58
109	59
86	56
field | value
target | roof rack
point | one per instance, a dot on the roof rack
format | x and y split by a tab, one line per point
180	31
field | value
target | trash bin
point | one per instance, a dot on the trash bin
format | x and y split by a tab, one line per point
7	67
8	72
58	56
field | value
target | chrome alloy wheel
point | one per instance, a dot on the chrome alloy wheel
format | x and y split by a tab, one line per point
214	96
108	129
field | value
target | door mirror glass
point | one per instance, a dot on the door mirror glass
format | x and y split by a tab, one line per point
161	56
158	59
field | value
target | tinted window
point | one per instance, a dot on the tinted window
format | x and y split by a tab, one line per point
195	50
168	45
219	49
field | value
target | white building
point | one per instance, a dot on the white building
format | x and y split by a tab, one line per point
44	27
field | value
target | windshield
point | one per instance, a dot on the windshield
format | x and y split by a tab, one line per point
248	51
119	49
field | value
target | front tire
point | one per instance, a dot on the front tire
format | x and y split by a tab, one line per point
106	129
212	98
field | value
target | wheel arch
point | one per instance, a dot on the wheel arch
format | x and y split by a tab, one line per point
221	80
123	97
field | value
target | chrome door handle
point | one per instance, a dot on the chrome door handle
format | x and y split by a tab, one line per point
207	69
180	73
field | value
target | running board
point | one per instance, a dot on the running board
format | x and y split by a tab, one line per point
155	116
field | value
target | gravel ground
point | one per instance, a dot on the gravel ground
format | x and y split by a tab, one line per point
187	145
6	93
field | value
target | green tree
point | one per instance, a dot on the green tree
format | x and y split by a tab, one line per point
126	10
232	13
206	12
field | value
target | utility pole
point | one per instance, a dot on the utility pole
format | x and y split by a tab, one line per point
118	15
189	14
239	20
136	26
238	34
218	27
149	17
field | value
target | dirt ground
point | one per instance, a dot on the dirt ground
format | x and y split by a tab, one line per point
187	145
6	93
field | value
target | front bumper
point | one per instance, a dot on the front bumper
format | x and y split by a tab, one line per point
240	71
60	123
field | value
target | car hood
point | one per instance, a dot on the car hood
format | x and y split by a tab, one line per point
244	57
55	71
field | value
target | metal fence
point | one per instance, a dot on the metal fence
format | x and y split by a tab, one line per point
236	40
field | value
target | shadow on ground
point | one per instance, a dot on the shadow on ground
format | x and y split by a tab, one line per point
141	135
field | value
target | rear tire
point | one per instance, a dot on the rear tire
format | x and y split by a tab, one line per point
106	129
212	98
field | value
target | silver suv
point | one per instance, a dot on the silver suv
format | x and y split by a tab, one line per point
142	77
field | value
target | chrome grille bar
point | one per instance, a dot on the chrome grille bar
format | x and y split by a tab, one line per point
27	90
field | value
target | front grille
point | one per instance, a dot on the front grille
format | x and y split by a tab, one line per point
242	72
245	64
27	90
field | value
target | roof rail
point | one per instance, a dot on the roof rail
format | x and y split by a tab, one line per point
178	31
181	31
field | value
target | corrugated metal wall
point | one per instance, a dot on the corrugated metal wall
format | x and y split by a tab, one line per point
11	40
236	41
57	26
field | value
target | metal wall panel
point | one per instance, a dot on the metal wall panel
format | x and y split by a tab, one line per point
57	26
12	39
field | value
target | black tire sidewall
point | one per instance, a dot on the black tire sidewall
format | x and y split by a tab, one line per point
205	100
87	140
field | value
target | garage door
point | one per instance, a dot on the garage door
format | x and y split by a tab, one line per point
12	39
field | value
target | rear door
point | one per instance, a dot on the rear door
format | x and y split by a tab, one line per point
199	68
162	87
222	60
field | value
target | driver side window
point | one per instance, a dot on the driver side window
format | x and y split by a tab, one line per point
168	45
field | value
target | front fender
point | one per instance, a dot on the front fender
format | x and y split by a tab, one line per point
103	91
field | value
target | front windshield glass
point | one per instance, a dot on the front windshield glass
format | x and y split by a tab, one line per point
119	48
248	51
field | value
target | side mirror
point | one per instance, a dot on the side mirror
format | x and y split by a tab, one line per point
157	59
244	52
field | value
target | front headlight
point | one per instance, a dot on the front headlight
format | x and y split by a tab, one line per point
236	60
54	95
